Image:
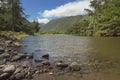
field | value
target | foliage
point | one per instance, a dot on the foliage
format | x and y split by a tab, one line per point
79	28
12	18
103	20
13	35
35	26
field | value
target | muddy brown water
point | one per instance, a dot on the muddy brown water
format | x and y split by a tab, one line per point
102	50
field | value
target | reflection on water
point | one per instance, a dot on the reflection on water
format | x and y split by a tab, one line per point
59	46
80	49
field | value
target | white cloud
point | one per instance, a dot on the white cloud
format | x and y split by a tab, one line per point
44	20
70	9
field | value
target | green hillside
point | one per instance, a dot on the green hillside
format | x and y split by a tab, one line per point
61	24
103	21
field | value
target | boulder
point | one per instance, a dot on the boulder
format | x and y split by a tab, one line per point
15	58
2	62
28	75
38	60
46	56
4	76
37	50
2	50
8	50
17	70
8	42
9	68
23	56
50	73
18	57
61	65
17	44
46	63
45	70
1	71
5	55
25	65
37	72
75	66
59	61
19	76
29	56
12	77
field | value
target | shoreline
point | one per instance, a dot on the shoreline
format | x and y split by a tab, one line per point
15	65
12	64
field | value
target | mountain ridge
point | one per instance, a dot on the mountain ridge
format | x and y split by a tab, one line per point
61	24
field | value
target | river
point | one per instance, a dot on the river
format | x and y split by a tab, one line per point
79	49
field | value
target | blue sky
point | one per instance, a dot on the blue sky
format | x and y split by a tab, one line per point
45	10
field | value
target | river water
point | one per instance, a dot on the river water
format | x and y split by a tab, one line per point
79	49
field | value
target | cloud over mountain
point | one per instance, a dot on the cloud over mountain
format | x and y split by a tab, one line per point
44	20
70	9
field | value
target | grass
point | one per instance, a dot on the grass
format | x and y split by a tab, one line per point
49	32
16	35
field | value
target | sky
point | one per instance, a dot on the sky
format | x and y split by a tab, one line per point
45	10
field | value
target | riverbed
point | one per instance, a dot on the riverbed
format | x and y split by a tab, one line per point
99	50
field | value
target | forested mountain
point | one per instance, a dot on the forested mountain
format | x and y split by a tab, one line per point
61	24
104	20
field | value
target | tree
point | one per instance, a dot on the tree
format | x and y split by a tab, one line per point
16	19
14	13
17	15
103	19
35	26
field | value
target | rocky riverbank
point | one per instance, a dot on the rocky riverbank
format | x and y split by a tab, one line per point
15	65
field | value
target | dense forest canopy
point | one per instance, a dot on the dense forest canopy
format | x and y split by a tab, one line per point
103	20
12	17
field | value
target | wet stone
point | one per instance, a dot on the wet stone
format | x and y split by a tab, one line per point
17	70
75	66
2	50
61	65
17	44
9	68
4	76
5	55
1	72
19	76
46	63
38	60
18	57
46	56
